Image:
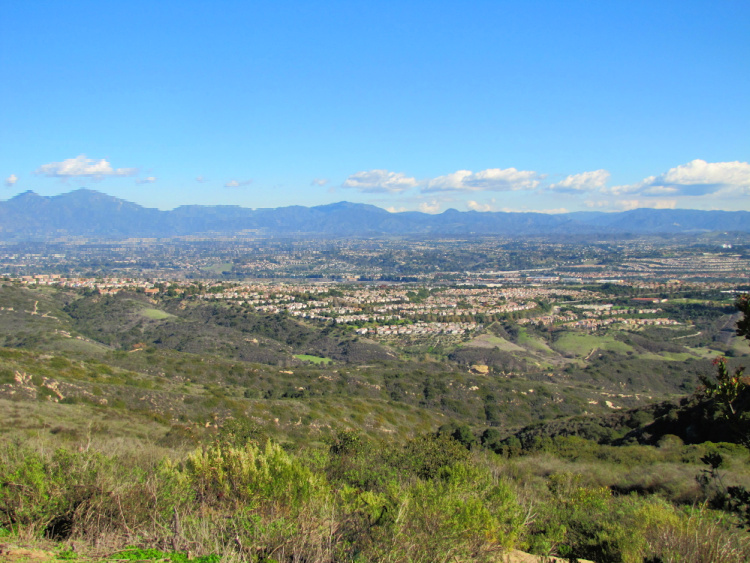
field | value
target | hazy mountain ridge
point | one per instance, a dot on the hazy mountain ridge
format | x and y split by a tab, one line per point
87	212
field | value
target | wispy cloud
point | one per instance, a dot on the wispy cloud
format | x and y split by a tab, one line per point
380	181
526	210
201	179
583	182
430	206
597	204
491	205
492	179
82	167
11	180
319	182
148	180
696	178
237	183
476	206
627	204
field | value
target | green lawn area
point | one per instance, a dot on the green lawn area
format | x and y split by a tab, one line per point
705	352
668	356
582	344
686	301
155	314
313	359
219	268
491	341
533	342
68	345
739	346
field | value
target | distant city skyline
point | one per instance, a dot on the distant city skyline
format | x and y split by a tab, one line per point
484	105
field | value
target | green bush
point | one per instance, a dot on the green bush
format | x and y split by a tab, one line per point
590	523
249	475
67	493
149	554
424	456
463	514
428	499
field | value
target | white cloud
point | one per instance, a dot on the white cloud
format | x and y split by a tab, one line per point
628	204
492	179
700	172
11	180
597	204
430	207
237	184
583	182
80	167
149	180
476	206
200	179
393	209
696	178
374	181
547	211
319	182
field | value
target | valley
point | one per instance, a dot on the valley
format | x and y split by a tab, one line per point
580	395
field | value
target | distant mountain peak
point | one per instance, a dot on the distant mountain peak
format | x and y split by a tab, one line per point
88	193
28	194
91	213
348	205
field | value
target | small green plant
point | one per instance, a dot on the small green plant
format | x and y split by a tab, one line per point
149	554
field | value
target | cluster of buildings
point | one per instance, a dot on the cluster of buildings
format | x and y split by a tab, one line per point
385	310
420	328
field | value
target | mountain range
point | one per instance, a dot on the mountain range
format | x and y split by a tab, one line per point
89	213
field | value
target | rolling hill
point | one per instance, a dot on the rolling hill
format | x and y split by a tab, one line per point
88	213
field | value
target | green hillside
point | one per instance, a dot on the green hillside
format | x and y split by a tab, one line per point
420	448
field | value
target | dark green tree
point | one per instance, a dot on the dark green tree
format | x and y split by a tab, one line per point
743	325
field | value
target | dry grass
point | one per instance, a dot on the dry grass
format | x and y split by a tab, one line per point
701	538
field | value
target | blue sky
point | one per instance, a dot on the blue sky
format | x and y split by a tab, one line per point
536	106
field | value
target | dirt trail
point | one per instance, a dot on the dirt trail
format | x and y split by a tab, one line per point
23	555
586	359
516	556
